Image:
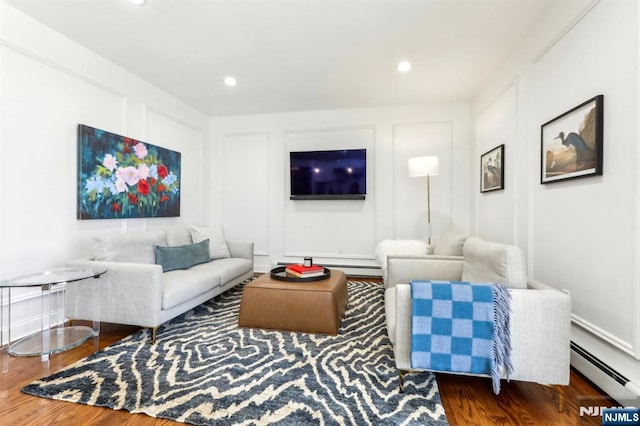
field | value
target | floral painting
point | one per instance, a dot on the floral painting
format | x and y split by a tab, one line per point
120	177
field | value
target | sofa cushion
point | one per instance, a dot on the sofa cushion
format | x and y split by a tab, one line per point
182	257
228	268
131	247
491	262
181	285
450	245
218	248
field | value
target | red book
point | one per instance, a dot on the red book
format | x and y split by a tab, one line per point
306	275
303	270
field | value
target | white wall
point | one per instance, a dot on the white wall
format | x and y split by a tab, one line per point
250	180
49	85
495	126
580	235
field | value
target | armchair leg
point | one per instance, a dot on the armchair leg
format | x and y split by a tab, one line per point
402	373
560	390
154	334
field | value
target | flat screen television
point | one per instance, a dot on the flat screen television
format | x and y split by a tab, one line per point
328	175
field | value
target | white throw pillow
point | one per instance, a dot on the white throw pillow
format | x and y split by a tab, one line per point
399	248
218	248
491	262
450	245
130	247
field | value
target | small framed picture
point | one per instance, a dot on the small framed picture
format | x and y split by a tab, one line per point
571	144
492	169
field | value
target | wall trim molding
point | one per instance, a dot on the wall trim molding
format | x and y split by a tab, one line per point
330	255
394	126
149	108
513	153
26	311
636	246
267	135
371	182
565	31
28	293
32	55
604	335
287	132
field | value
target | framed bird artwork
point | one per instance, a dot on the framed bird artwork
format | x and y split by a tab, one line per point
492	169
571	144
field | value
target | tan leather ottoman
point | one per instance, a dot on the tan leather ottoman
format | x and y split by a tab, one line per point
309	307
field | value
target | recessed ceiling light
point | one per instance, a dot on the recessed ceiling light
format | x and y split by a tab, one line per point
136	2
230	81
404	66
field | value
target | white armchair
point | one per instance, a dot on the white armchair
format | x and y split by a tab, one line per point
448	247
540	317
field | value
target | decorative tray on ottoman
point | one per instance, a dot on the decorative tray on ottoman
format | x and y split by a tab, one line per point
280	274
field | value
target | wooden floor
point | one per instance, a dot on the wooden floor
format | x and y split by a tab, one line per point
470	401
467	401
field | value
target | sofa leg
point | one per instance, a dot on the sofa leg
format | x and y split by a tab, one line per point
154	334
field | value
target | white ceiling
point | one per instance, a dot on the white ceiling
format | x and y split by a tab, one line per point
295	55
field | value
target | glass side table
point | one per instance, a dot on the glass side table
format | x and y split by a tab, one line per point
48	340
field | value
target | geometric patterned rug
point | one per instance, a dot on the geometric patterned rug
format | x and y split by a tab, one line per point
205	370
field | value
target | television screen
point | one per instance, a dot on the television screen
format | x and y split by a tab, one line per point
328	175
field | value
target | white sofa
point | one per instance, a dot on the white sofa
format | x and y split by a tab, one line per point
136	291
540	317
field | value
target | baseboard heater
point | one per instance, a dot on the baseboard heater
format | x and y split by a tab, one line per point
616	385
351	270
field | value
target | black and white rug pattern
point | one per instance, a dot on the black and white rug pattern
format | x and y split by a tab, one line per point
204	370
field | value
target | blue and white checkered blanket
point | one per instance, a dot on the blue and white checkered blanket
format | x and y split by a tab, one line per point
461	327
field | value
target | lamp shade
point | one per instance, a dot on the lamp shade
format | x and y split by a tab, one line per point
424	166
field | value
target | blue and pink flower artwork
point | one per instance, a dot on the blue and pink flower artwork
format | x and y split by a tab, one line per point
120	177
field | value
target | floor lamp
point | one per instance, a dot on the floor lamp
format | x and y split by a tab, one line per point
425	166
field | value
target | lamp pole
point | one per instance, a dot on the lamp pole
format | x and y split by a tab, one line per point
425	166
428	210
